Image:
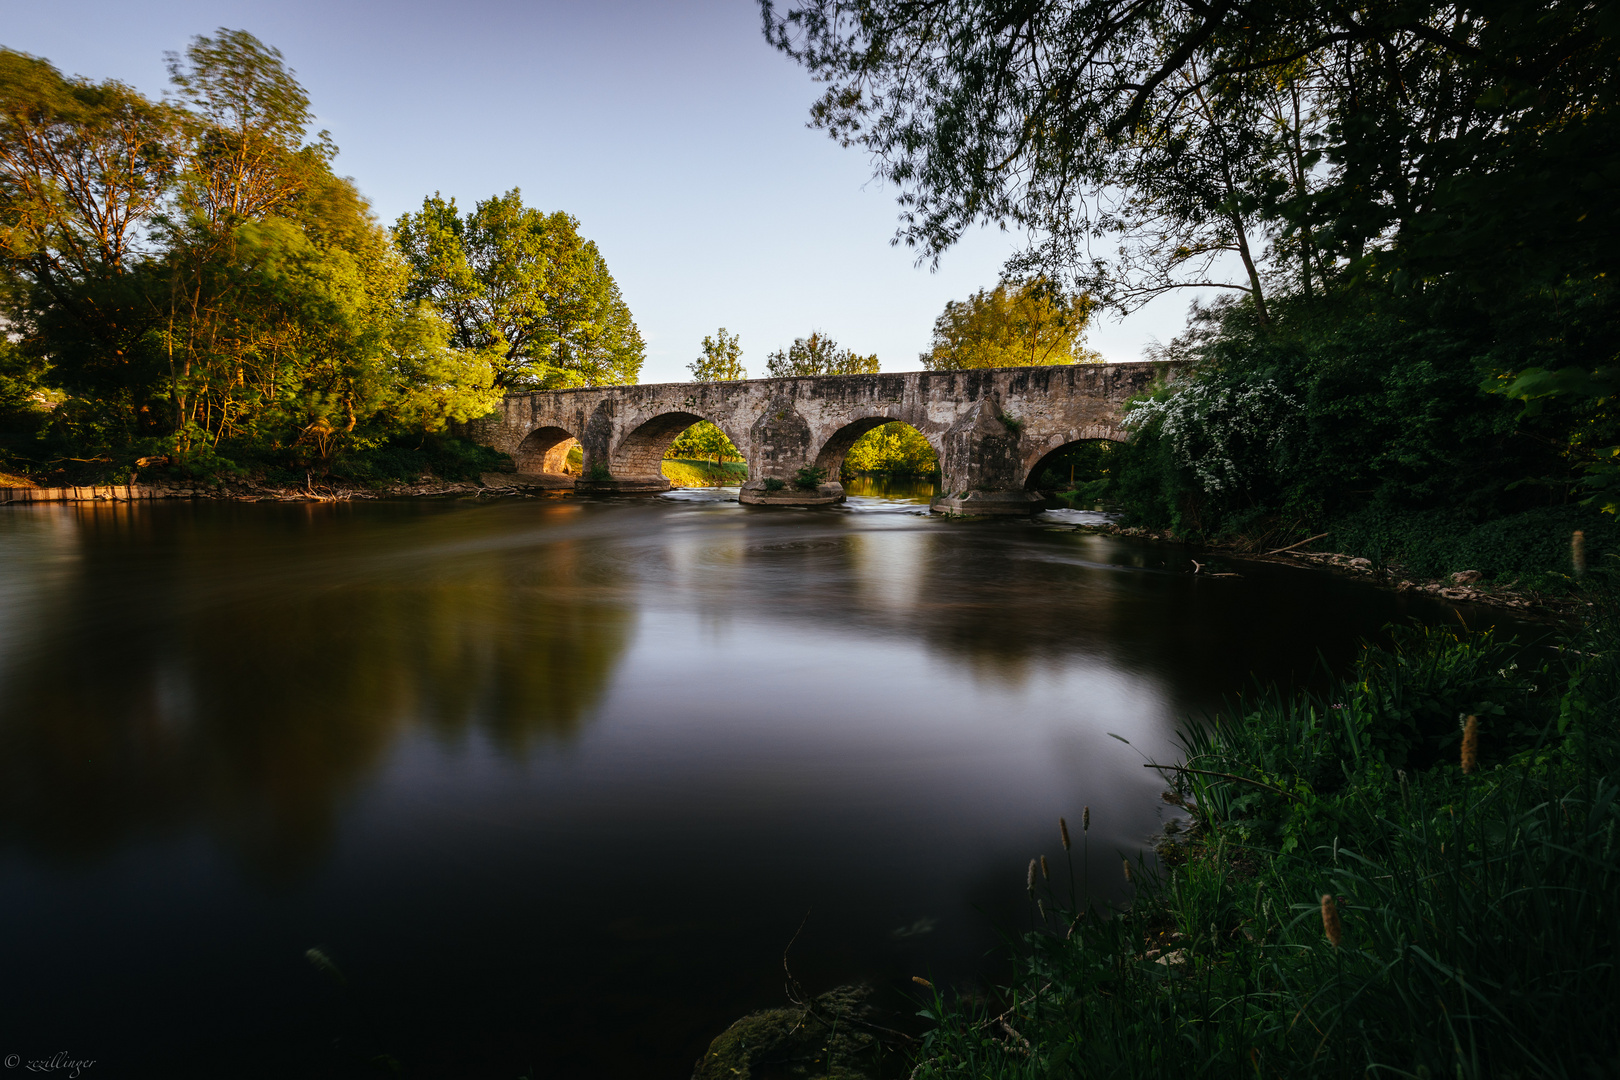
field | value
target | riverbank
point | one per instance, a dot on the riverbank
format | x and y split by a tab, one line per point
255	491
1414	872
696	472
1463	586
680	473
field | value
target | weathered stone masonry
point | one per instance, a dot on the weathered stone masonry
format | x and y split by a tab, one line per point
991	427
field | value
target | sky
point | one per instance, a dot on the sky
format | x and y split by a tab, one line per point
670	129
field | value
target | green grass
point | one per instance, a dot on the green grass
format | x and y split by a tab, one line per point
688	472
1479	911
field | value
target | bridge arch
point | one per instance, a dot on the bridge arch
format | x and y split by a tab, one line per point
1042	460
545	451
639	454
836	447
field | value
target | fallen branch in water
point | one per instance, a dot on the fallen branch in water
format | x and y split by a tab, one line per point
1302	543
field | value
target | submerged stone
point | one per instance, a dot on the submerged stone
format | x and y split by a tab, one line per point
825	1039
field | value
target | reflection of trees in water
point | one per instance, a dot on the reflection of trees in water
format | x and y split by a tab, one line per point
175	681
1005	606
1007	601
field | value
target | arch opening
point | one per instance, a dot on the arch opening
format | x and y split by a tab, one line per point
546	451
880	456
1078	474
642	452
704	456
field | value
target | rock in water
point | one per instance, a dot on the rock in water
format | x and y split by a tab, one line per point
786	1044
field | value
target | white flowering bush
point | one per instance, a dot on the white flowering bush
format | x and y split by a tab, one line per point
1231	438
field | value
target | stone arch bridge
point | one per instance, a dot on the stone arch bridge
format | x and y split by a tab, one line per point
993	428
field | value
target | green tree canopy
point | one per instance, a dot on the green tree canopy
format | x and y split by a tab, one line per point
818	355
893	448
1010	326
721	360
191	276
523	290
703	440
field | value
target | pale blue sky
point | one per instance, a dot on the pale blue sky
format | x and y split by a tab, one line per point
669	129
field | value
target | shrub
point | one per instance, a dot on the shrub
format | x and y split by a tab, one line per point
1473	927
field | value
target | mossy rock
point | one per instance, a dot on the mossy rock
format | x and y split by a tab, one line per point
785	1044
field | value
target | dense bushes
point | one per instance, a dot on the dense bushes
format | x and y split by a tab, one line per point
1472	892
1371	415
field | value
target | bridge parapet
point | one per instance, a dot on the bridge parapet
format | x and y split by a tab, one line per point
991	427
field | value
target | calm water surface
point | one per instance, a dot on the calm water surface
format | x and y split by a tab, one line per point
555	781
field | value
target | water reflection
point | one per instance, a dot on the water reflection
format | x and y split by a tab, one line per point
884	486
558	780
243	670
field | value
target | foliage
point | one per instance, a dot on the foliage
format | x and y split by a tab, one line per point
1012	325
809	478
522	290
1410	198
1083	473
893	448
703	440
1249	131
682	472
721	360
1365	407
1227	435
1473	906
773	483
439	455
818	355
189	278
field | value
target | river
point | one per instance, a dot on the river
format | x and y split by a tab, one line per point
554	782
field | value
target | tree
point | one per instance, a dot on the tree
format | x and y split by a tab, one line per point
721	360
818	355
1010	326
522	289
1302	138
85	171
191	277
249	116
894	448
703	440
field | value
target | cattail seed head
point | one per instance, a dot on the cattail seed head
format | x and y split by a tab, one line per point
1063	831
1085	819
920	981
1128	879
1470	745
1029	880
1045	871
1331	926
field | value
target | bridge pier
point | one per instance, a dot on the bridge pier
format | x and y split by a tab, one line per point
633	485
987	503
759	493
981	464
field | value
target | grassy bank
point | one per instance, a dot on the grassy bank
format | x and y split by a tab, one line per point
1370	886
692	472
